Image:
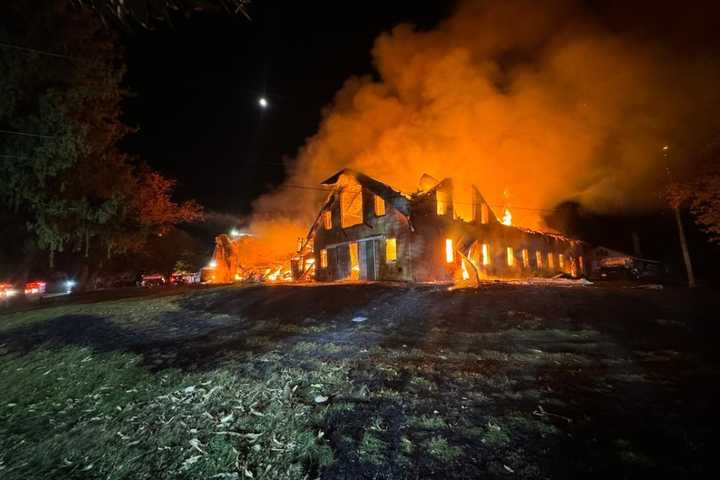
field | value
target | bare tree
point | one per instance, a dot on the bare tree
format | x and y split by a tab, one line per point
147	13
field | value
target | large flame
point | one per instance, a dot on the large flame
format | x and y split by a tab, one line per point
507	217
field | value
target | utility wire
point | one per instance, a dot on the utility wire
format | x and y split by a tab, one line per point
327	190
39	52
26	134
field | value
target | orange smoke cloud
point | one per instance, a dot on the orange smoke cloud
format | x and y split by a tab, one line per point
271	241
536	100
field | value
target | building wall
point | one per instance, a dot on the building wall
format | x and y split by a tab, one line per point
499	237
421	240
336	241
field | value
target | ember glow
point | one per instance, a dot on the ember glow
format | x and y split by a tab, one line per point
485	254
465	274
507	217
449	254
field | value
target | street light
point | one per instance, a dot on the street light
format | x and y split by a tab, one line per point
235	233
262	101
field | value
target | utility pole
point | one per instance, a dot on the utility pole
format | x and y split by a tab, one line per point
681	230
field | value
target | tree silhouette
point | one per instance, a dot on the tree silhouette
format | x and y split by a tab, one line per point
147	13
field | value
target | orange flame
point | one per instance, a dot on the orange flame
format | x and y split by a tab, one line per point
507	217
465	274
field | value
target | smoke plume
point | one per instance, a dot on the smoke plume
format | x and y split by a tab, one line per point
536	103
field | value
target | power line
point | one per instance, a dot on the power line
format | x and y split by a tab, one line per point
39	52
26	134
322	189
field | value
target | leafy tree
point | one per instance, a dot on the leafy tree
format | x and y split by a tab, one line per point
147	211
705	204
701	193
70	106
61	170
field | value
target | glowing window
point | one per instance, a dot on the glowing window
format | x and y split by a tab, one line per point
525	258
510	257
551	261
390	250
323	258
485	254
561	261
449	254
484	214
538	260
379	206
351	208
442	202
327	219
354	261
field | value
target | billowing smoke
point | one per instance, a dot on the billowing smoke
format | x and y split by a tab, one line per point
534	102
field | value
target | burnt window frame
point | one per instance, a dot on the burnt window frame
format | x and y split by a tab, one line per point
343	215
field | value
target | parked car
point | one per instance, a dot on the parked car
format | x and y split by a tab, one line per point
184	278
629	268
7	291
124	283
35	288
153	280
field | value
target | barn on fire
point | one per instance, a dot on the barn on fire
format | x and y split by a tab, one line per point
367	230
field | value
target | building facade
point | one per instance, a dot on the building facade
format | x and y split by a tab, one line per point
367	230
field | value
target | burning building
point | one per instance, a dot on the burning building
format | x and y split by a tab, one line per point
367	230
241	257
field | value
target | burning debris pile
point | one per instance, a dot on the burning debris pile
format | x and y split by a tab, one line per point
242	257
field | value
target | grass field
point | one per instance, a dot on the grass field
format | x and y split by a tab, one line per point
503	381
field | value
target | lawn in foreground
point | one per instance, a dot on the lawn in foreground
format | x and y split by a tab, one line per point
71	413
281	383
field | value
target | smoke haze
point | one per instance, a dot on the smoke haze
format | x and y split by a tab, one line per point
536	103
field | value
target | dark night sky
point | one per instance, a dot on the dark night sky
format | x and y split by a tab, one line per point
197	83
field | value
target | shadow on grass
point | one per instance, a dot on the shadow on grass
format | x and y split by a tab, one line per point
174	340
82	330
